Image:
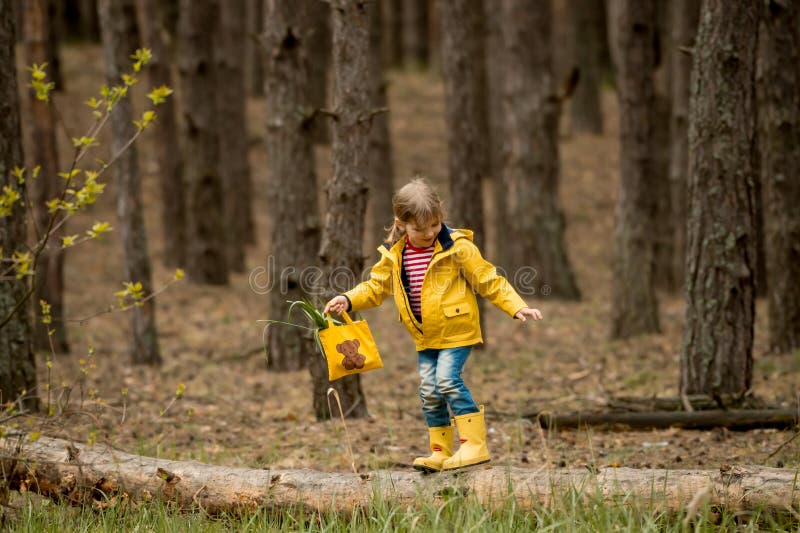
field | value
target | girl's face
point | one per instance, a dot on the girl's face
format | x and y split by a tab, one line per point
421	235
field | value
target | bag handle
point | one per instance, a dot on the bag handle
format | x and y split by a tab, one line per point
347	319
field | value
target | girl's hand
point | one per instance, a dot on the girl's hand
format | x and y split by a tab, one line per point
527	311
337	305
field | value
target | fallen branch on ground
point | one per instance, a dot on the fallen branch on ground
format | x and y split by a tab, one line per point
735	419
83	474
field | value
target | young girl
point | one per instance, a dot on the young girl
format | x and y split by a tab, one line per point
433	272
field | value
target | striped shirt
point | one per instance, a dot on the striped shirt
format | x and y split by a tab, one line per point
415	263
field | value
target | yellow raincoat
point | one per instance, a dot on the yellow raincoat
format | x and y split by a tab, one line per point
448	303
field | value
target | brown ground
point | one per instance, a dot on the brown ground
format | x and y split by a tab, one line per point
234	412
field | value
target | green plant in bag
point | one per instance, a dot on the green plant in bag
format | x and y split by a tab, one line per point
310	311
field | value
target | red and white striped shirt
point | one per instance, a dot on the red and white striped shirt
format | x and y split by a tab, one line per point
415	263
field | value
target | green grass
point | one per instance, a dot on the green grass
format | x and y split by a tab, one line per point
573	512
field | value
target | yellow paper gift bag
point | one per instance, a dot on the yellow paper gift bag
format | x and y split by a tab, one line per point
349	348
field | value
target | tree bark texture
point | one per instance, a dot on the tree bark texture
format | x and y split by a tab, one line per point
416	46
17	363
634	307
78	474
381	170
234	169
295	226
118	31
495	57
684	16
43	151
717	347
779	148
254	59
319	60
205	230
464	74
165	134
589	19
342	237
536	253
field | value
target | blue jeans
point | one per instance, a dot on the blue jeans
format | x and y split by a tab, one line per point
441	385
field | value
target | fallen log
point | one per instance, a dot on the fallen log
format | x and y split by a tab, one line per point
740	419
81	474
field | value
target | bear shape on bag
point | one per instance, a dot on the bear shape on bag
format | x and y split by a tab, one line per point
352	359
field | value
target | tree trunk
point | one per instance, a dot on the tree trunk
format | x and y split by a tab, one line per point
416	48
392	12
44	152
234	169
464	74
254	59
634	307
78	474
17	363
205	229
717	350
341	248
538	258
381	171
56	18
319	60
779	147
165	135
466	115
684	17
295	221
118	31
589	19
90	27
495	58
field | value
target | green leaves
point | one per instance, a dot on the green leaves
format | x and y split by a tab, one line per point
159	94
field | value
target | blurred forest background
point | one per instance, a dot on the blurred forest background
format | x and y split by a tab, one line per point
643	156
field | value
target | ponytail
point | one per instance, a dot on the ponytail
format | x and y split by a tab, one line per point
395	233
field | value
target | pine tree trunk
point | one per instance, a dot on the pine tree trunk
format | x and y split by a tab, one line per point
634	305
90	27
589	19
234	169
381	171
717	351
56	17
44	152
165	135
205	229
295	225
319	61
779	146
416	48
17	363
341	247
464	73
118	31
254	59
537	261
684	17
392	11
495	58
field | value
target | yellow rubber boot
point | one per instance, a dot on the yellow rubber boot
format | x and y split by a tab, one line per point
472	434
441	446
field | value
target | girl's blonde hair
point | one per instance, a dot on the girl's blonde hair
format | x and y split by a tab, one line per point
415	202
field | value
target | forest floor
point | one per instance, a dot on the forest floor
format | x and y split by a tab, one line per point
235	412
